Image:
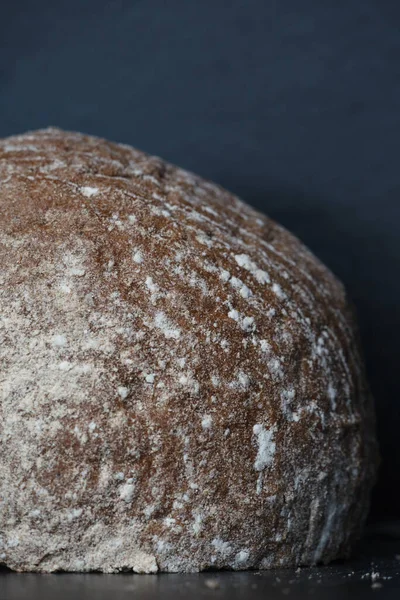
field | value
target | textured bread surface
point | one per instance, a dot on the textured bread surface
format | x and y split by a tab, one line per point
180	379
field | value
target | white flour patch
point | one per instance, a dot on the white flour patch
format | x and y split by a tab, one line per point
190	382
265	346
137	257
162	322
275	368
242	556
223	548
206	422
123	392
242	382
332	393
89	191
204	239
127	492
238	285
225	275
234	314
59	340
276	288
151	286
65	365
246	323
75	513
266	446
245	262
198	523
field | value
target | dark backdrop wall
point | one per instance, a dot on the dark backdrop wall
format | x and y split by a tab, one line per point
292	105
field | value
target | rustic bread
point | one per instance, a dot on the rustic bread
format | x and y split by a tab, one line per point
180	385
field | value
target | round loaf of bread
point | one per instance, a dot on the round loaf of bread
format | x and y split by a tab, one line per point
181	385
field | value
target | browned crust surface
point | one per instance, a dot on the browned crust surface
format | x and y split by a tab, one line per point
180	381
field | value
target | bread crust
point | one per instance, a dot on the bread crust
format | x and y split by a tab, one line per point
181	383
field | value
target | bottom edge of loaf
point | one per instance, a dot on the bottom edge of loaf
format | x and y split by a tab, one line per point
144	563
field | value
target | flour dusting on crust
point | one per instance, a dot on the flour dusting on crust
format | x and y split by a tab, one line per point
180	379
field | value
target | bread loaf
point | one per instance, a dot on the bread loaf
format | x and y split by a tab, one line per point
181	385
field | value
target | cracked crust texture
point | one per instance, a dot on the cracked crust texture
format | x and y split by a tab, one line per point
180	378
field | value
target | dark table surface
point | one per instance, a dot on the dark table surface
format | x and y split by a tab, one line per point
374	570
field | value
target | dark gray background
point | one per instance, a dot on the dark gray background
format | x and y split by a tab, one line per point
294	105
